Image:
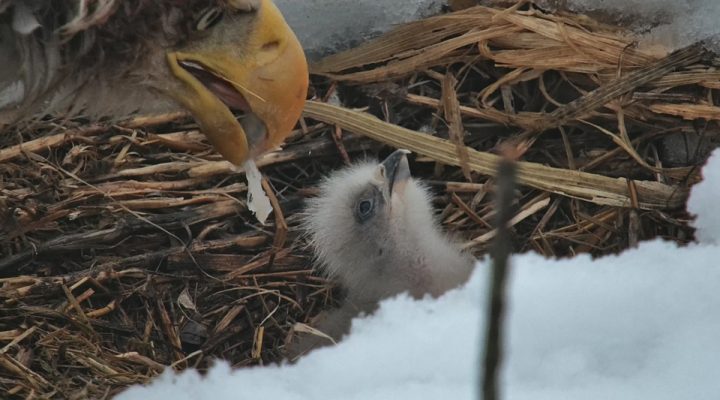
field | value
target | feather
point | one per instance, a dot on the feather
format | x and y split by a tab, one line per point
12	94
24	22
86	57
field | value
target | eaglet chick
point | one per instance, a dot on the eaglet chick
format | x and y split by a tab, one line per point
372	230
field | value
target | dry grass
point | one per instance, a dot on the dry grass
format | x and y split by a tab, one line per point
126	248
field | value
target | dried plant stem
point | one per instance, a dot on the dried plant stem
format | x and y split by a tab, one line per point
581	185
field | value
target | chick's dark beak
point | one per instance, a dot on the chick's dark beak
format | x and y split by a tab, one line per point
397	171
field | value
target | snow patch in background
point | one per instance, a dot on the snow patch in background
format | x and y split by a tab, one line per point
329	26
640	325
671	23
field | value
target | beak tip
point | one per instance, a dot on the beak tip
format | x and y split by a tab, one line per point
397	169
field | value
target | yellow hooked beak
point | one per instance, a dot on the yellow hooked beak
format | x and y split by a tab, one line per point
266	77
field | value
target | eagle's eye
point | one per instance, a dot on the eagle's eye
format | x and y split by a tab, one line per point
208	18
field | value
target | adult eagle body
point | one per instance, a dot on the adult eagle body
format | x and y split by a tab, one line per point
113	58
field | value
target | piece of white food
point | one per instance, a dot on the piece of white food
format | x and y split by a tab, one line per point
257	200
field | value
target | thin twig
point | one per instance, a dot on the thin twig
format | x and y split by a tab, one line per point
500	253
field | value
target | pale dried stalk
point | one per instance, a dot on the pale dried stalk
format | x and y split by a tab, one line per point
451	107
576	184
687	111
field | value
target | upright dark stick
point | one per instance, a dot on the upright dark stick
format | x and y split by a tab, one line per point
500	253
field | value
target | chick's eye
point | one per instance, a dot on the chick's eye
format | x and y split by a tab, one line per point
208	18
365	206
364	209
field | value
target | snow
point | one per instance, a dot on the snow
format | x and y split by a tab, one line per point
328	26
671	24
640	325
703	202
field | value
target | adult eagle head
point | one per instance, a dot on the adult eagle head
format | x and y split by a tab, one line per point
214	58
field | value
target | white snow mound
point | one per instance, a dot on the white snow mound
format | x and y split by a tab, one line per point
703	202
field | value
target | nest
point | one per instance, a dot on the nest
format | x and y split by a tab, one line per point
126	248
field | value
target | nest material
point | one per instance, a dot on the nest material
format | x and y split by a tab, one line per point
128	248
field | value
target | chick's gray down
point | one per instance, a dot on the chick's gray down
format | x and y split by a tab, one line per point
373	230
